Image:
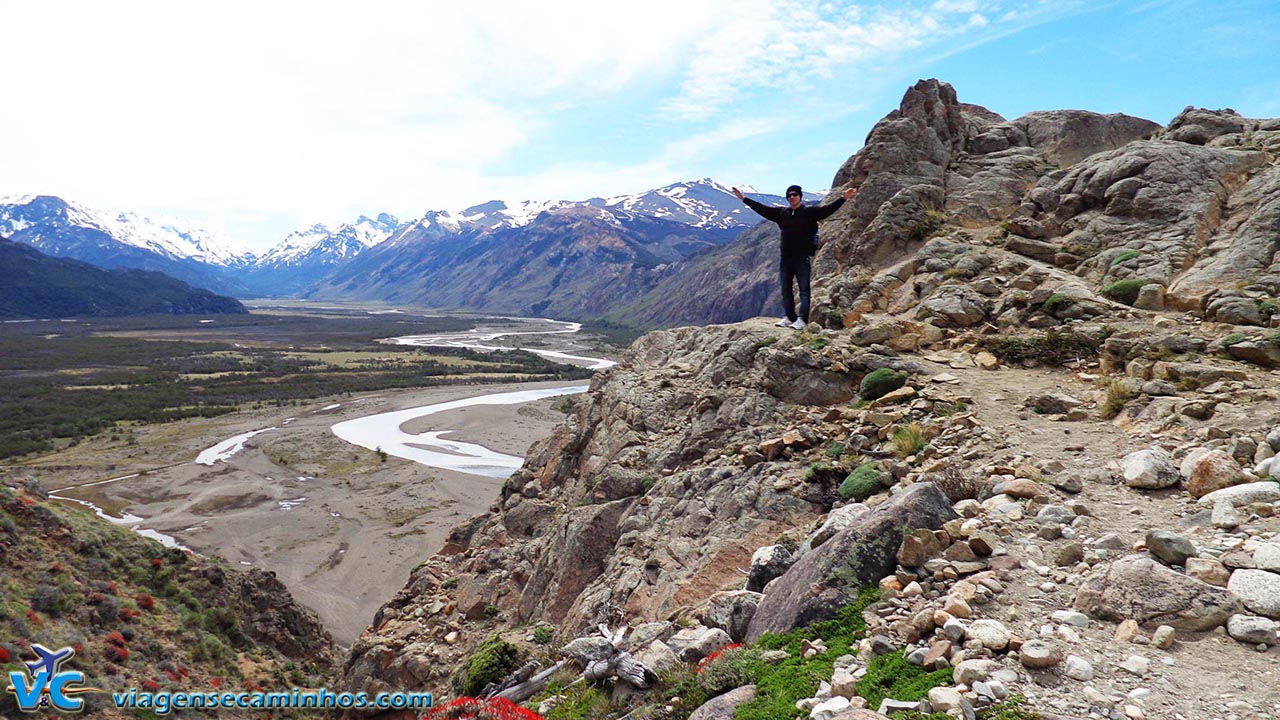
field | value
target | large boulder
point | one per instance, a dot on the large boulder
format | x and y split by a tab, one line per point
1139	588
829	577
1212	471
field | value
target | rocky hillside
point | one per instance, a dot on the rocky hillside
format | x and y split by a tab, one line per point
1037	413
140	616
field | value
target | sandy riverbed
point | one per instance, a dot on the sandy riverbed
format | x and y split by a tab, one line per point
340	528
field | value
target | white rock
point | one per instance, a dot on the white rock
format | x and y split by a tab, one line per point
1253	630
1136	664
1077	668
991	633
830	708
1248	493
945	699
1267	557
1258	589
1150	469
1224	515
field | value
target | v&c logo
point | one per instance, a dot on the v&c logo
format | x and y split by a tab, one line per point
45	686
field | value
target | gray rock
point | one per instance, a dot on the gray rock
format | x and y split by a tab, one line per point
1038	654
968	672
731	611
1150	469
1235	311
1259	590
1070	617
1170	547
587	649
827	578
954	306
1253	630
1150	297
768	563
646	633
1050	514
1224	515
1158	388
658	657
693	644
1139	588
837	520
723	707
1136	664
1164	637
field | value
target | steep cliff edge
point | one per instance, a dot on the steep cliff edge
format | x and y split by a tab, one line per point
1029	278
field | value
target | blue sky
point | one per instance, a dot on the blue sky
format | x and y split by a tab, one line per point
256	119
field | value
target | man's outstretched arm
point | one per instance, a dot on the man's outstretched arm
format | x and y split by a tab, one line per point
824	211
764	211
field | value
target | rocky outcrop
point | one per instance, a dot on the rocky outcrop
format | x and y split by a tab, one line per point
642	505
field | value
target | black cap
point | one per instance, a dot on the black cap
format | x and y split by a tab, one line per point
795	189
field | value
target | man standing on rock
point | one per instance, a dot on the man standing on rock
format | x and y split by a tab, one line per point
799	225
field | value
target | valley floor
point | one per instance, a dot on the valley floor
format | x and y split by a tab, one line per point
336	523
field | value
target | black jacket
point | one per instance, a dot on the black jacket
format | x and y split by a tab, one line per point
799	227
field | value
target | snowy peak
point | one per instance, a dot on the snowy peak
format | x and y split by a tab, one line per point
325	246
44	220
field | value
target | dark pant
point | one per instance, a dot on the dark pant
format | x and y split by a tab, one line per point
795	268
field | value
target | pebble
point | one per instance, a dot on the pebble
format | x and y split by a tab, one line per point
1164	637
992	634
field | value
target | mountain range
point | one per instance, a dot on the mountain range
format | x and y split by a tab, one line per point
574	259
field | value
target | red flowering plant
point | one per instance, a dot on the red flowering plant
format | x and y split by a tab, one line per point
469	708
716	655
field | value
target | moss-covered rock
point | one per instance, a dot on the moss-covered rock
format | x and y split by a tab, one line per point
878	383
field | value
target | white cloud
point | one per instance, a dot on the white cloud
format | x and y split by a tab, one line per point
313	110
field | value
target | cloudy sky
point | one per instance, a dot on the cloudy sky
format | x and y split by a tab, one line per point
256	119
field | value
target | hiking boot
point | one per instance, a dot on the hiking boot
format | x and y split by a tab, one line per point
798	324
785	322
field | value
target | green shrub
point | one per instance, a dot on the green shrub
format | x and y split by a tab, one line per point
1125	291
1124	256
493	659
836	448
1232	339
862	483
1056	303
818	343
879	383
543	634
891	676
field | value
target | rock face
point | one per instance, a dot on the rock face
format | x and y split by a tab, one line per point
1139	588
828	577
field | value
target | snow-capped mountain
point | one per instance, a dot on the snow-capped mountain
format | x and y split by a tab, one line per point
321	246
114	240
51	224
